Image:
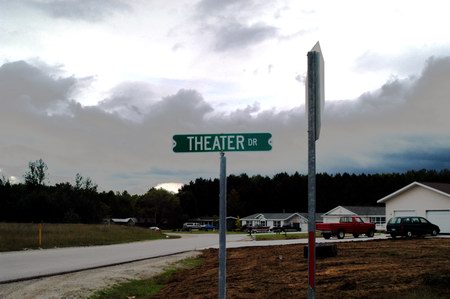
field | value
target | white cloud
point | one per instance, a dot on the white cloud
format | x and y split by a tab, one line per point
171	187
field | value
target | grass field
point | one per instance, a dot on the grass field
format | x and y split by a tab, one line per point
22	236
146	288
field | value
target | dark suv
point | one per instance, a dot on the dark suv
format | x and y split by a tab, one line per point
409	226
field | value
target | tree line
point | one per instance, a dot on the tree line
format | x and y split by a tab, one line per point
36	200
289	193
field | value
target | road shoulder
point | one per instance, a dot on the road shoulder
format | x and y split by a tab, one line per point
84	283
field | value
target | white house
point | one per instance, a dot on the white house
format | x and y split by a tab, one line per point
124	221
429	200
276	220
375	215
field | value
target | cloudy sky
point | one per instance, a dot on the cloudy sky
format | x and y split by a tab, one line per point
100	87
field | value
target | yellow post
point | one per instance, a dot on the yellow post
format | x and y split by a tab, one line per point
40	234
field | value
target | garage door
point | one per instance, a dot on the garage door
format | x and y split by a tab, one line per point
441	218
400	213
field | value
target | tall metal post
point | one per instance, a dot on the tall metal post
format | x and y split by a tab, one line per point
312	80
223	227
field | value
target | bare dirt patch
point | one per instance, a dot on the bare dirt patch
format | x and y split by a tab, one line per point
375	269
85	283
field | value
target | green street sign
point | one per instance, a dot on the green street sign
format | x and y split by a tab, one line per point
235	142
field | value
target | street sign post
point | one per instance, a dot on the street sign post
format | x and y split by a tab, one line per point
223	227
231	142
315	86
314	102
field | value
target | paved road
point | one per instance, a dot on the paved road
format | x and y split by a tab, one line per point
20	265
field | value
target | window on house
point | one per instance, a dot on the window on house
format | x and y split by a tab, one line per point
378	220
277	223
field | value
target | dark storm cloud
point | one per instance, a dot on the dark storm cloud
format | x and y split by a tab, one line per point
130	100
232	35
212	7
237	32
21	82
419	157
375	125
88	10
403	125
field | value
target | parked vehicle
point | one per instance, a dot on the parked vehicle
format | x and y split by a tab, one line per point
191	225
286	228
347	225
411	226
207	227
258	229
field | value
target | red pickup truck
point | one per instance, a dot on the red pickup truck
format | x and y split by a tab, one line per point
347	225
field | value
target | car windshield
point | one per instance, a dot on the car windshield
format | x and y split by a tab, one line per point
423	220
395	220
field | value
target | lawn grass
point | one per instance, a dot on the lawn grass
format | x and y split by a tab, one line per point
146	288
21	236
281	236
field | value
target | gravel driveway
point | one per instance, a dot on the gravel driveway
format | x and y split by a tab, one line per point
85	283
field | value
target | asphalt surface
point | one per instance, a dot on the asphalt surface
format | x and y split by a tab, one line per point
22	265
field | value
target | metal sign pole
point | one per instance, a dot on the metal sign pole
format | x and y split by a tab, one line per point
234	142
223	227
312	80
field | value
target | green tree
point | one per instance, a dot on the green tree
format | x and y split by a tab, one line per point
4	181
238	224
37	173
85	184
159	207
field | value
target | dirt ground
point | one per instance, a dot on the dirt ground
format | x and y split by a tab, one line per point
402	268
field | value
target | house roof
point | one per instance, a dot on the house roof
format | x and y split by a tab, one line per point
123	220
280	216
318	216
441	188
271	216
361	210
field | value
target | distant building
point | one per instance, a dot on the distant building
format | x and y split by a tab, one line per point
124	221
428	200
295	220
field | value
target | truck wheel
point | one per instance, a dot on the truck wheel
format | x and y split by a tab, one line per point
409	234
327	236
370	233
356	235
341	234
